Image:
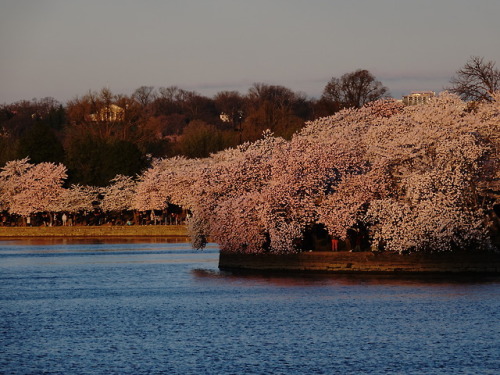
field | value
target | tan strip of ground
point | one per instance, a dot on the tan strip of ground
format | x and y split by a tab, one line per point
96	231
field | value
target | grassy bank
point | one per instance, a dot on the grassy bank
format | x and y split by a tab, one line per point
95	231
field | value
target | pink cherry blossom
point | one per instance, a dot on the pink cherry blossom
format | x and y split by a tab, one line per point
29	188
416	177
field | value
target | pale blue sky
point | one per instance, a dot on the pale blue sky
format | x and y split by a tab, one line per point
64	48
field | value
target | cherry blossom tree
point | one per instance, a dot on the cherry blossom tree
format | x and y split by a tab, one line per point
241	177
118	194
77	198
30	188
11	177
436	155
167	180
415	178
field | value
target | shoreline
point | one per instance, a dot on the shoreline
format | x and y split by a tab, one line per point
366	262
132	231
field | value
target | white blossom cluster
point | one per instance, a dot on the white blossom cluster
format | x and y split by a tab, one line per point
27	188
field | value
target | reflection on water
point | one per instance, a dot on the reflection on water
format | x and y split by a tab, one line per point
286	279
47	241
137	307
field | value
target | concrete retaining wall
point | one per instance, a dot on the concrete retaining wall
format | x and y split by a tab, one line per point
364	262
95	231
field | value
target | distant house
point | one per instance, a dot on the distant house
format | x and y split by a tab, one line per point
224	117
110	113
418	97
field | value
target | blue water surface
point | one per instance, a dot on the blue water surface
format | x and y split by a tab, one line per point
159	307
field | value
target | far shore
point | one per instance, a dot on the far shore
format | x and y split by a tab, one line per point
95	231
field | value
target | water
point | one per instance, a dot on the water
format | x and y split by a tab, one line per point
162	308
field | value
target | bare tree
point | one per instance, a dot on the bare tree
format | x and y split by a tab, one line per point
144	95
354	89
273	107
476	80
170	93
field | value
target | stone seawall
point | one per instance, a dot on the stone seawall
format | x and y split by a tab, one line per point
364	262
95	231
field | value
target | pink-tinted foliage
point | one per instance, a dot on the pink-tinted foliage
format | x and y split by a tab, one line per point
238	224
77	198
422	178
119	194
11	177
168	180
416	177
437	156
30	188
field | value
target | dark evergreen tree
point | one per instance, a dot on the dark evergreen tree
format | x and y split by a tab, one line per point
94	161
40	144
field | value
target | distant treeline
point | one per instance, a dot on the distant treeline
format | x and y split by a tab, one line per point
102	134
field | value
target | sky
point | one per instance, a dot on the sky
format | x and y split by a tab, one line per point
64	48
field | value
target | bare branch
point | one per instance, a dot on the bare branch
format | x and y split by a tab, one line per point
476	80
